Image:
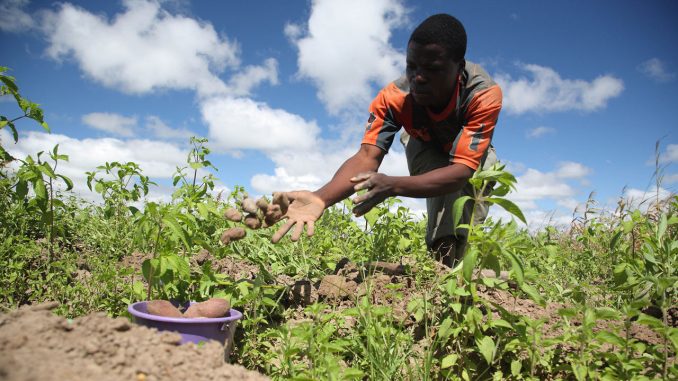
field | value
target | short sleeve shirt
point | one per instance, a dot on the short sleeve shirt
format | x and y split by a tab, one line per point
463	129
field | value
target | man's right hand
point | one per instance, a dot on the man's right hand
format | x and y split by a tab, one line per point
305	208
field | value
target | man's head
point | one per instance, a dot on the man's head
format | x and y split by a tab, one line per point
435	56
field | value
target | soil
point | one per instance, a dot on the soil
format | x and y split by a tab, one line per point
38	345
389	284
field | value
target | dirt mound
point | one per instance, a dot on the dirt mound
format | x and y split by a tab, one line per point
38	345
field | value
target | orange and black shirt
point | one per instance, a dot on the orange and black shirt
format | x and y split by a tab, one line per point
463	129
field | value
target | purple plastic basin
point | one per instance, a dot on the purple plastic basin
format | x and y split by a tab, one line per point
191	330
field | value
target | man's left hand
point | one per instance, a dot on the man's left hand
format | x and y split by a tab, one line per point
379	187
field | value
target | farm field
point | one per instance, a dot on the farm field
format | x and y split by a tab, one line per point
359	300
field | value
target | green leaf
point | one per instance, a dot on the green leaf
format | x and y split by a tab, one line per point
178	231
486	348
148	269
579	371
610	338
449	361
509	206
21	189
445	328
615	240
533	294
47	170
516	267
469	263
516	365
69	182
607	313
458	209
40	190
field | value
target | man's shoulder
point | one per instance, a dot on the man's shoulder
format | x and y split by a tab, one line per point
476	77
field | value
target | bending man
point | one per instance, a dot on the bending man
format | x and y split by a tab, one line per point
448	108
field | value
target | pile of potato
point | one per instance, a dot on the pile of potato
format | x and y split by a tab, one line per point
257	214
212	308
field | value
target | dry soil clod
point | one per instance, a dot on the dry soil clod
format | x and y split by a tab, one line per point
163	308
249	205
212	308
252	221
232	214
232	234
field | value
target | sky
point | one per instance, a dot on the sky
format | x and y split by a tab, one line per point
281	89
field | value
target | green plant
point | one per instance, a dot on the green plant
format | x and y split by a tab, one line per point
33	172
29	109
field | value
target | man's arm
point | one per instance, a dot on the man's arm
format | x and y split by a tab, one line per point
430	184
306	207
367	159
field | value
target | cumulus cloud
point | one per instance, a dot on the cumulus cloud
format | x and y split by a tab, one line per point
545	91
540	131
344	49
163	131
670	155
13	17
657	70
142	49
115	124
534	185
572	170
242	83
156	159
241	123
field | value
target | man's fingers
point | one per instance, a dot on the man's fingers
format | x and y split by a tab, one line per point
364	185
362	198
362	176
282	231
310	228
364	207
297	231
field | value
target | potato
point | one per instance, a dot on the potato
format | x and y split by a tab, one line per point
232	235
252	221
232	214
249	205
163	308
273	214
280	198
262	203
212	308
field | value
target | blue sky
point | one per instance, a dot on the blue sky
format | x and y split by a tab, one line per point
281	89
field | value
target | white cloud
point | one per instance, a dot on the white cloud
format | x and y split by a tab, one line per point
156	159
13	17
344	49
115	124
670	155
540	131
671	178
546	91
572	170
142	49
163	131
534	186
241	123
656	69
242	83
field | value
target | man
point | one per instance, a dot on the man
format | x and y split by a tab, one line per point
448	108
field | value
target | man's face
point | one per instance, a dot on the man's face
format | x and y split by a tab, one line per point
432	75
